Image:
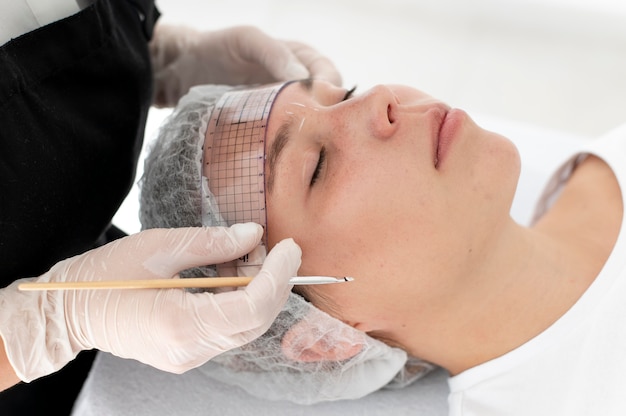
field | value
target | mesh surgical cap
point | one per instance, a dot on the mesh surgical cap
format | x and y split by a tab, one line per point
306	356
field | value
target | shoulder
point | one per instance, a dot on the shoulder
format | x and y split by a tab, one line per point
18	17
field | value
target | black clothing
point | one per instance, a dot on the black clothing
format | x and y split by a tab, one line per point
74	97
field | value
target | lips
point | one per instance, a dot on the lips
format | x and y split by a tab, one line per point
440	113
450	127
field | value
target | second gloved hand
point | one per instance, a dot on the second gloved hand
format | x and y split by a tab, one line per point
170	329
183	57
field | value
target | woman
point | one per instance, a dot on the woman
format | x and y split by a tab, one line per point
412	198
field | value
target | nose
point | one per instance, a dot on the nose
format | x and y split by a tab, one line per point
381	110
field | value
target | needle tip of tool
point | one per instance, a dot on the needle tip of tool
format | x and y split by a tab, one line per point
348	279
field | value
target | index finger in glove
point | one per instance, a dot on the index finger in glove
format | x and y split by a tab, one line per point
275	56
256	307
182	248
318	65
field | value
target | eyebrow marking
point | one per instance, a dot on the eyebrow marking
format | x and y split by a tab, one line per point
279	143
281	139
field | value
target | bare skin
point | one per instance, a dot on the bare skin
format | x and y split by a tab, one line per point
442	269
8	377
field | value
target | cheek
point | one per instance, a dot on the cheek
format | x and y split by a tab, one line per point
366	233
336	237
368	221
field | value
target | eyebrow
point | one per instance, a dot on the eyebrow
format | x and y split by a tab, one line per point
282	138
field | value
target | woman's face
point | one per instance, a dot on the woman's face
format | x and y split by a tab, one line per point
389	186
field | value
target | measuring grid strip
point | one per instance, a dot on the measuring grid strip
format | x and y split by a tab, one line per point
236	154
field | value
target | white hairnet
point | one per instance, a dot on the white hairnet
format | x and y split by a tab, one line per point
307	356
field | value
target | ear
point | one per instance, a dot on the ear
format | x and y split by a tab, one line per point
314	341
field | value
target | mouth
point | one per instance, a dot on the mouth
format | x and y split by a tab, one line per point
440	113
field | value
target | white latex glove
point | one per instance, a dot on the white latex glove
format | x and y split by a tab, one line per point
183	57
170	329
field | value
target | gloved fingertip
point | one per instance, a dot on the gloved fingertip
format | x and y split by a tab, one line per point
327	73
291	251
245	232
289	246
335	78
295	70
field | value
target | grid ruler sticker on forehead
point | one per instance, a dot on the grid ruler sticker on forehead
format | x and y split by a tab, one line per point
234	160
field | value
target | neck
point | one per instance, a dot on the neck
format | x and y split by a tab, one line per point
526	279
493	312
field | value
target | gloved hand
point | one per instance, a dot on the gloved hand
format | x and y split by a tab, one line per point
183	57
170	329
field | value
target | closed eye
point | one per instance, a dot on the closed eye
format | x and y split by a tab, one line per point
322	159
320	165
